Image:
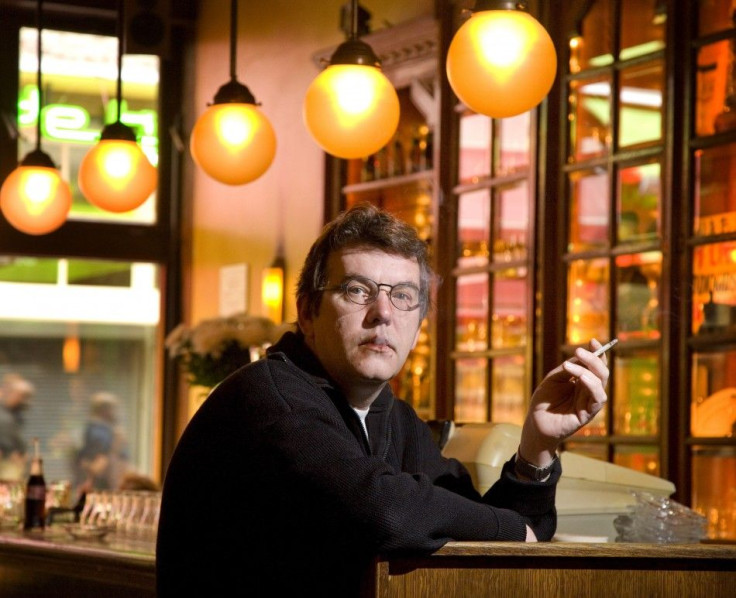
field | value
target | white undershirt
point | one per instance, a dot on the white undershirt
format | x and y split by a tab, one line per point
362	414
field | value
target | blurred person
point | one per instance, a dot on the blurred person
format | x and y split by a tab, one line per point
15	398
102	460
300	468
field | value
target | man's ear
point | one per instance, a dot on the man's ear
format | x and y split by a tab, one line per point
305	318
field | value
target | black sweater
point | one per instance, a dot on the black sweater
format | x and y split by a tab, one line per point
274	489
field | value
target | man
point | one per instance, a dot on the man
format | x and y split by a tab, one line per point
301	467
15	398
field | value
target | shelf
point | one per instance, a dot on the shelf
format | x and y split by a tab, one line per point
397	181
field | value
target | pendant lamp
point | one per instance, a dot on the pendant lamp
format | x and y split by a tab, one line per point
501	62
232	141
115	175
351	109
34	198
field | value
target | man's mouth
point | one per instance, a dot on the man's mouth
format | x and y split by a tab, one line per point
378	343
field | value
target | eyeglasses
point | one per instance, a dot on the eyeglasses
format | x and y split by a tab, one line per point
363	291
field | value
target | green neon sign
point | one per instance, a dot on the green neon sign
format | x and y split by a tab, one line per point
70	123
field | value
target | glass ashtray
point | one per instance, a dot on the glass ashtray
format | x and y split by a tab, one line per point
87	532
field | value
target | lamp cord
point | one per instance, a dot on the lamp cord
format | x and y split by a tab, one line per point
121	14
38	75
354	20
233	37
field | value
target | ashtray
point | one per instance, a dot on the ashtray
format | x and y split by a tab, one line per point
87	532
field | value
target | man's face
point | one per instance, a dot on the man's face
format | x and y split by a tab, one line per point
363	346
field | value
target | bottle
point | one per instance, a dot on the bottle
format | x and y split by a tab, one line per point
35	517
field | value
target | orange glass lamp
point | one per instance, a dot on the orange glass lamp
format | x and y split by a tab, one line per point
501	62
115	175
232	141
272	290
351	109
34	198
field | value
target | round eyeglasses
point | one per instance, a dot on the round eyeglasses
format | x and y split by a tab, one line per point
363	291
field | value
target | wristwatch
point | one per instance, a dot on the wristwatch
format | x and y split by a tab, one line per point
531	471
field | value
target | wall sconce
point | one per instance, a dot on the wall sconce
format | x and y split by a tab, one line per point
501	62
34	198
272	289
232	141
115	175
351	109
71	351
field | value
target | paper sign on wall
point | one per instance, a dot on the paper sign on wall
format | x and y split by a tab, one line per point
233	289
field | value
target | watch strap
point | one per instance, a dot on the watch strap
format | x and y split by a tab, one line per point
531	471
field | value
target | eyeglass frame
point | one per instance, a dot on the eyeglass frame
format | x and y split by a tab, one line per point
343	288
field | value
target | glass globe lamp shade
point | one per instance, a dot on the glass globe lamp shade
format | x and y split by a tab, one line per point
351	110
501	63
116	176
233	142
35	199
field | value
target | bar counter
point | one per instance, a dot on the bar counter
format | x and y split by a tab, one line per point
559	570
52	563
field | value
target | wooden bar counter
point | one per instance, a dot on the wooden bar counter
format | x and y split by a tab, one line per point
559	570
51	563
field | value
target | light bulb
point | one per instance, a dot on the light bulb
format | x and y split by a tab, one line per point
35	199
501	63
351	110
234	143
115	175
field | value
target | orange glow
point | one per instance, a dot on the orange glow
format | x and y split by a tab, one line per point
115	175
233	143
352	111
35	199
501	63
272	293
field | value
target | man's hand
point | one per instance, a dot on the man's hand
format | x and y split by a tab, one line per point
566	400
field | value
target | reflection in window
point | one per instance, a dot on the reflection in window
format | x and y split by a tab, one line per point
593	47
471	329
636	400
507	390
474	159
587	296
715	190
715	106
80	73
638	457
637	295
640	104
471	398
473	221
714	488
511	223
590	118
512	144
589	210
714	288
639	200
713	405
642	27
509	319
88	350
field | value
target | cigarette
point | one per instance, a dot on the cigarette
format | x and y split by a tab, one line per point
605	347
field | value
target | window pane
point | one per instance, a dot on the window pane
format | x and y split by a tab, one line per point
714	292
589	210
637	295
507	390
640	458
471	330
587	296
474	222
713	406
714	15
594	46
509	319
715	108
471	397
636	400
89	351
80	98
714	489
512	149
642	27
639	203
594	451
511	223
474	158
589	118
715	190
641	104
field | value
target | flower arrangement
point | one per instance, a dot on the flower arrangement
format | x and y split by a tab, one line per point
216	347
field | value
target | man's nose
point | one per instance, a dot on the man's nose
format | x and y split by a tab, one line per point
382	308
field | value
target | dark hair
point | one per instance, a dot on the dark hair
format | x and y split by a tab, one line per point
367	226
